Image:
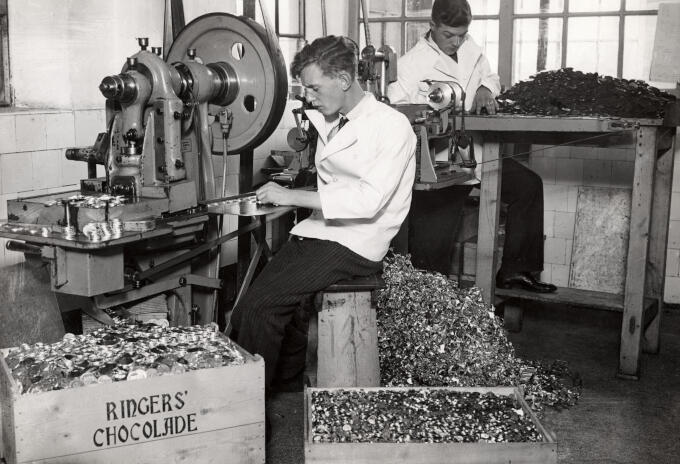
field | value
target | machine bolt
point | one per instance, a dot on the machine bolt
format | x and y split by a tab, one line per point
132	62
179	164
159	110
177	115
157	50
143	42
159	140
191	53
182	281
162	169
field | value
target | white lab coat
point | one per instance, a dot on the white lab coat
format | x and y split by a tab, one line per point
426	61
365	177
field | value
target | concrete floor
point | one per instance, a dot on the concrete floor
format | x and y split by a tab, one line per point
615	422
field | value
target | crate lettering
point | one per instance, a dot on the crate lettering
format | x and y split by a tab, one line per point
153	428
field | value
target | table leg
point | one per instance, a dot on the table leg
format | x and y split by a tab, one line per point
633	306
489	208
658	237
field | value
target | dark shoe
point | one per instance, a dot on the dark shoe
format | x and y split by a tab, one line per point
525	281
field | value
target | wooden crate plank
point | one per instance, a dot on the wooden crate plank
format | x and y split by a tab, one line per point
568	296
170	418
234	445
658	238
430	453
600	239
643	181
489	209
347	341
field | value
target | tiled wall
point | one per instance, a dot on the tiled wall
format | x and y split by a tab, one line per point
563	170
32	160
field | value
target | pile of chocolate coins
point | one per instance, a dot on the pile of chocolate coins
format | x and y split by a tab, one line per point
418	415
119	352
566	92
432	333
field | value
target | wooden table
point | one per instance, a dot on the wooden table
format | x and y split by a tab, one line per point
648	224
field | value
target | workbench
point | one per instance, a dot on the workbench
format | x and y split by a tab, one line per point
651	195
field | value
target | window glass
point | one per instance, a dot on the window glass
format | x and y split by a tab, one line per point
383	34
485	33
381	8
592	44
637	46
636	5
537	46
594	5
419	8
414	31
539	6
289	17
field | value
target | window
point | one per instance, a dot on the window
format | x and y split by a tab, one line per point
521	37
5	99
401	23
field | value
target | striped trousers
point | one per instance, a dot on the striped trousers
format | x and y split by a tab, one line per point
262	320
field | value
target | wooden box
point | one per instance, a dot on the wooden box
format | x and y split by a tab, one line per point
544	452
202	416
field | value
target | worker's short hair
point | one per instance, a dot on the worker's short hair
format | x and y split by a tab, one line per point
332	54
452	13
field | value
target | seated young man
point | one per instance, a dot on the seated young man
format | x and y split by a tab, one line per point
365	167
448	53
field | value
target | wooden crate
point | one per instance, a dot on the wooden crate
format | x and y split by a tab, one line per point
544	452
212	416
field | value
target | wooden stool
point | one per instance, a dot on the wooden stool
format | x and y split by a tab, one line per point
342	341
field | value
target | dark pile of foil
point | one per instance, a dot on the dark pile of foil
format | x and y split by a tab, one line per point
119	352
427	415
566	92
432	333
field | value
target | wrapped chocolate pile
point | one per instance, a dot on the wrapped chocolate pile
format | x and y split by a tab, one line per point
566	92
431	333
119	352
427	415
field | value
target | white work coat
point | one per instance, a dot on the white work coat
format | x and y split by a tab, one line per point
426	61
365	176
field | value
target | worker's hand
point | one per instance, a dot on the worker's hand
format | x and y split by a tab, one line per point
484	99
273	193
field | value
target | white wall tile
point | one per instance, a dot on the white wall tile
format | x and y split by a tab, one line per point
675	206
563	151
559	275
548	223
569	171
544	167
622	174
30	132
674	234
88	123
672	290
597	173
564	225
572	199
47	169
555	197
8	134
589	153
3	205
60	130
546	273
555	251
16	170
617	154
672	262
72	172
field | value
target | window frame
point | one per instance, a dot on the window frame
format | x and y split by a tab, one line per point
506	19
5	89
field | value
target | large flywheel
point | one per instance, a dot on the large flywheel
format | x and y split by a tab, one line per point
259	74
